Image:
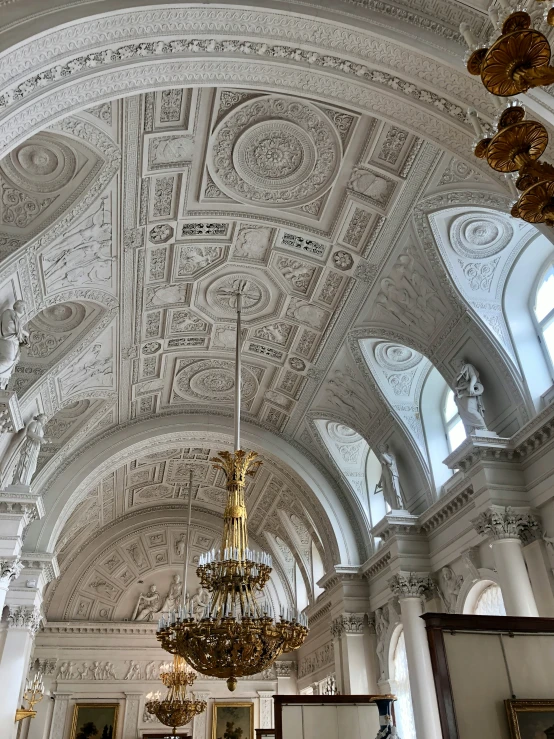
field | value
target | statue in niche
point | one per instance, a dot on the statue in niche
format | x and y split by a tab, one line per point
180	545
29	451
390	481
148	604
12	336
468	392
450	585
173	598
199	601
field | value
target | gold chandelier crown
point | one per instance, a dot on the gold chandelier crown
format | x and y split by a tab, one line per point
237	634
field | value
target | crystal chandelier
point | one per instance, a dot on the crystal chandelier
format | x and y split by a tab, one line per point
236	636
175	709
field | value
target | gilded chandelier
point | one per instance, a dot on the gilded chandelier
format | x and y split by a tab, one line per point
517	59
236	635
175	709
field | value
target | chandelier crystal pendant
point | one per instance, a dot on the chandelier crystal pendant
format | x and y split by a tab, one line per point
237	635
175	709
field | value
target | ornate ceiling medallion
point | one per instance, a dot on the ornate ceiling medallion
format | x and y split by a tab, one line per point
480	236
275	152
213	380
42	164
396	357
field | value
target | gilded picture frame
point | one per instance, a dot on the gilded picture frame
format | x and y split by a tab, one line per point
528	717
240	715
102	716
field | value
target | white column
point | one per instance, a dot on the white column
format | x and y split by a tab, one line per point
266	708
540	574
23	623
60	715
350	653
410	588
506	527
10	569
200	722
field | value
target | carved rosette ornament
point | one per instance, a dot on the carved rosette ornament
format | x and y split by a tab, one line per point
411	585
499	522
9	570
348	623
276	152
25	617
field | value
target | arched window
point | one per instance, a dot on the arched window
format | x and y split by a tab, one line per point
455	431
403	707
544	313
490	602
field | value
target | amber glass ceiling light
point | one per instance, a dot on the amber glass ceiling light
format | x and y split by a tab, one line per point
237	635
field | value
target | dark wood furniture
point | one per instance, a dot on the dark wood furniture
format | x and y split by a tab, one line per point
167	733
265	733
314	700
437	623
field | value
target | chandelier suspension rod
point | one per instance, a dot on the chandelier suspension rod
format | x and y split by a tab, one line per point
187	549
238	367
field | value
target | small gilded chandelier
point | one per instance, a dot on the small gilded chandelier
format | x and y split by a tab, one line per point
175	709
235	636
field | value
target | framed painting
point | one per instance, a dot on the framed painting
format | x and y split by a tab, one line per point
94	721
529	719
233	721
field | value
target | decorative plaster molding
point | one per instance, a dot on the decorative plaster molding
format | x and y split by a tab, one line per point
446	507
411	585
284	668
499	522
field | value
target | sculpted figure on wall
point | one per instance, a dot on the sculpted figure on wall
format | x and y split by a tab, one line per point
390	481
12	336
148	604
199	601
468	393
450	585
173	598
382	624
29	451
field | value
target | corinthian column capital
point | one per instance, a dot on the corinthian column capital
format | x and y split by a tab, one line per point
411	585
499	522
10	569
25	617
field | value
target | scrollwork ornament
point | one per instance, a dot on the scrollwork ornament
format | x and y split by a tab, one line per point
10	569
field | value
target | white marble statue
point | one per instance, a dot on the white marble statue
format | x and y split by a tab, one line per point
390	482
199	601
180	545
29	451
12	336
173	598
468	393
148	604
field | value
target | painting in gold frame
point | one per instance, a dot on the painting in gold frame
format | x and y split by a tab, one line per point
233	720
528	719
94	721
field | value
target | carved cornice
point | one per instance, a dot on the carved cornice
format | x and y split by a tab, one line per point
475	449
339	575
320	612
376	564
17	500
348	623
25	617
446	507
411	585
397	523
499	522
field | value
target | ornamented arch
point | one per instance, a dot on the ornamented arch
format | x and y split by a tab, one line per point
65	485
44	80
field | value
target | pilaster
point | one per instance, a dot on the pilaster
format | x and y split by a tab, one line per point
132	714
354	655
266	708
19	507
286	677
200	722
60	715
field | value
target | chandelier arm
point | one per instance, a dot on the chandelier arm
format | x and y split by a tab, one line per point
534	77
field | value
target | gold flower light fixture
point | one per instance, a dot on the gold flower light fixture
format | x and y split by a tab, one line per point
176	709
237	635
